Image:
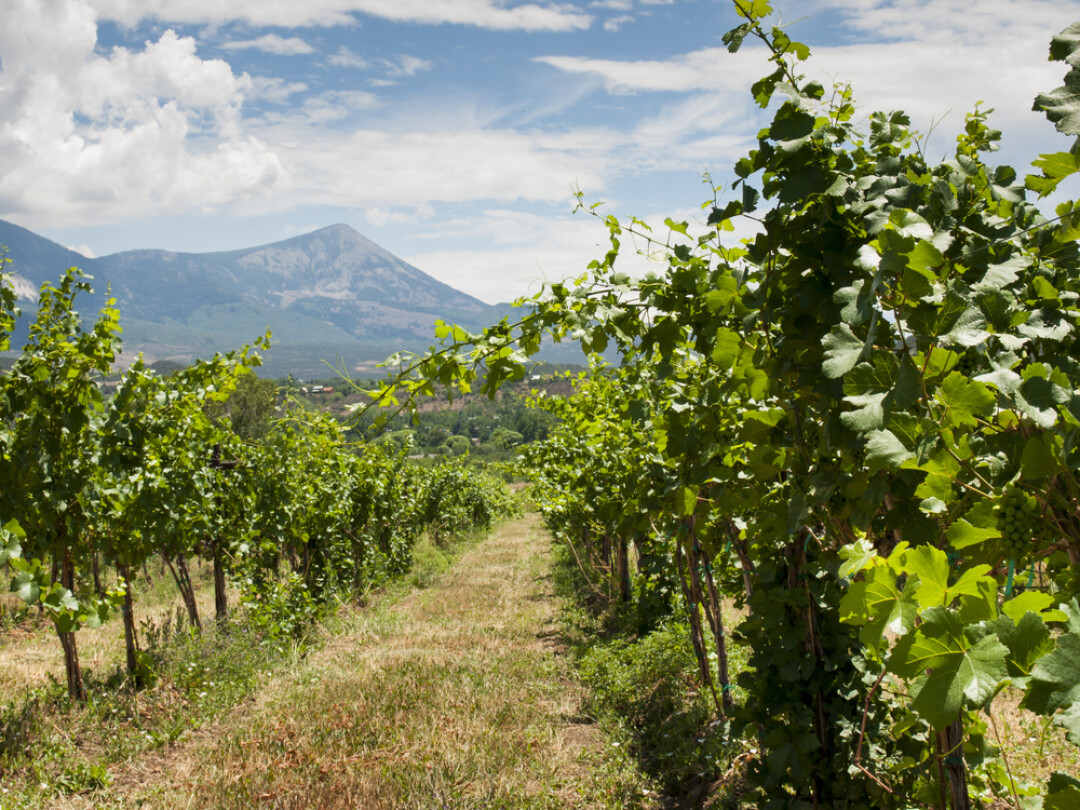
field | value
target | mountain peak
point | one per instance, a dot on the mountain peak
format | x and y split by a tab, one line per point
338	229
327	293
338	235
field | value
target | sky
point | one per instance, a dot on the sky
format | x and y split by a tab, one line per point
454	133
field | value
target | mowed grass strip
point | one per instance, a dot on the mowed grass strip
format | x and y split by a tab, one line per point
452	697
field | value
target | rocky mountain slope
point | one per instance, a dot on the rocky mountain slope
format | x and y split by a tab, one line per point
330	296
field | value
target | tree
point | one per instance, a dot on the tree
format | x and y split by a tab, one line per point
250	408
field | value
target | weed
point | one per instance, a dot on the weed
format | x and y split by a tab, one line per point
429	561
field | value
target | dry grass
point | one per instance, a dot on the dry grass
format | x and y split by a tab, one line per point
30	653
454	696
1033	747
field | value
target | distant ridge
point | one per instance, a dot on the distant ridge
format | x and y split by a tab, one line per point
329	296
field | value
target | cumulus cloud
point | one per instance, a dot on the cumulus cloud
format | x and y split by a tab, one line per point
488	14
272	43
86	136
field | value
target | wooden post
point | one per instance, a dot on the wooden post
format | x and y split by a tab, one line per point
951	740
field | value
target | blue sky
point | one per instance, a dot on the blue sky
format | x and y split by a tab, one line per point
452	132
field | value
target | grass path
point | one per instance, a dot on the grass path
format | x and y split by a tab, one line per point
455	696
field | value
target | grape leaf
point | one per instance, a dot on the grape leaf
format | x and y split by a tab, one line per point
1062	106
856	557
842	351
1035	602
884	450
1063	792
962	534
879	605
1055	168
1055	681
958	670
1028	640
966	400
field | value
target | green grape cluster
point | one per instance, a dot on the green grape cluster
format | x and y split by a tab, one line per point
838	503
969	364
1018	515
1068	580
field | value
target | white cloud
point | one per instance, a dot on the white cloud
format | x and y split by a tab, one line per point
942	56
710	68
25	290
615	23
346	57
335	105
90	137
695	132
272	43
523	250
954	22
83	250
404	66
102	137
615	5
273	89
380	216
488	14
376	168
929	82
946	55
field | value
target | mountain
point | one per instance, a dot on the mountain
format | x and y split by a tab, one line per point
330	296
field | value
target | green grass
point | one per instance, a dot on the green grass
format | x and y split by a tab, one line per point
448	690
51	748
646	689
441	697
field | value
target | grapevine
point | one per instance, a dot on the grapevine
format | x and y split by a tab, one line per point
833	408
296	516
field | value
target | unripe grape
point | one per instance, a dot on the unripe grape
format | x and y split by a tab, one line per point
1019	531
